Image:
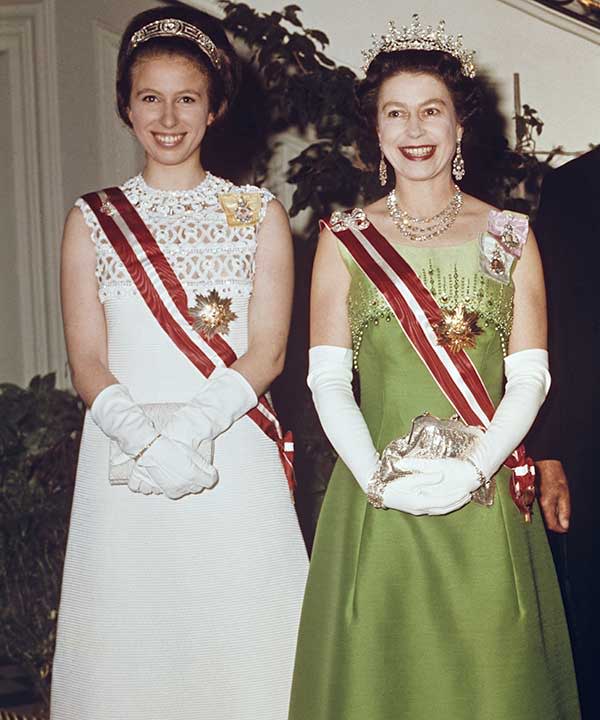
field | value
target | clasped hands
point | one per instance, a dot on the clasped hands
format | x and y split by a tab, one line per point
176	461
173	468
432	486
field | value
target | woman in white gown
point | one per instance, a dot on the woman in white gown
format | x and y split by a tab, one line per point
185	565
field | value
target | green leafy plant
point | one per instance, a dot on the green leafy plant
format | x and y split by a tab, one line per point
305	90
529	167
40	429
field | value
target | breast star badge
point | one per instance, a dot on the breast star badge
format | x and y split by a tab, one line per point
241	209
458	329
212	314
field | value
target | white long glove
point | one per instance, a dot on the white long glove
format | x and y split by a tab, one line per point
330	379
163	466
224	398
527	384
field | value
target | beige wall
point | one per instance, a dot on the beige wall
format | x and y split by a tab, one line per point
11	356
79	55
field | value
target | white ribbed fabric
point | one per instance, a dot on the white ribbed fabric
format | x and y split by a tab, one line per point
173	610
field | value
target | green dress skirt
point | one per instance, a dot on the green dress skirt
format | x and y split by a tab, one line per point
417	618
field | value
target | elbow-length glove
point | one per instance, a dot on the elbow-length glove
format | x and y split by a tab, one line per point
224	398
330	379
162	466
527	384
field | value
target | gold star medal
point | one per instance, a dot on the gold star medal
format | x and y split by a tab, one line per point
458	329
241	209
212	314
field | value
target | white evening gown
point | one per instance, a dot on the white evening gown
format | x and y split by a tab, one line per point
187	609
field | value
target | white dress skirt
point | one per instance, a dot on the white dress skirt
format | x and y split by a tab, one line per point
173	610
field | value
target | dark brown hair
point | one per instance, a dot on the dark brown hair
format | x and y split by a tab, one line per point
464	91
222	82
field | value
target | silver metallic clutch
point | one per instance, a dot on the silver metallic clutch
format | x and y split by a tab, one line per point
432	438
121	465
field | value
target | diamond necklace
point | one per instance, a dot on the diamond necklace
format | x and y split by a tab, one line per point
423	229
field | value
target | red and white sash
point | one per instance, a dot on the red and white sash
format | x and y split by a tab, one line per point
417	313
166	299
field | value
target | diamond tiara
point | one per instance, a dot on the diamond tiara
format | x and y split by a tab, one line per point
417	37
171	27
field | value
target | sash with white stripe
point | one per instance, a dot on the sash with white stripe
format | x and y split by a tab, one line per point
166	299
417	313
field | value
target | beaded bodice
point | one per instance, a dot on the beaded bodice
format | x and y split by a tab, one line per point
207	247
452	275
451	286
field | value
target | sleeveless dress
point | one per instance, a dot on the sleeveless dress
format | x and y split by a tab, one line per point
422	618
172	610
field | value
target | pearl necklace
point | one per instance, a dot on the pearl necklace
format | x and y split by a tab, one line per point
423	229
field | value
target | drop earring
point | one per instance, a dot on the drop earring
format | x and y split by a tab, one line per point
458	164
383	176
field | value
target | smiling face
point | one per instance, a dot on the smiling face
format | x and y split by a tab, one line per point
169	109
417	125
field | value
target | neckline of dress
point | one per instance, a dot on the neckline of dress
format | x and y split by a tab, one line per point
207	184
423	246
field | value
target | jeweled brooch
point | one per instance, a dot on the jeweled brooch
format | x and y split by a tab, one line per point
510	229
458	329
497	264
108	208
346	220
241	209
212	314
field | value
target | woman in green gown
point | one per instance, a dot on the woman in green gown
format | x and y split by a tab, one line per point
432	606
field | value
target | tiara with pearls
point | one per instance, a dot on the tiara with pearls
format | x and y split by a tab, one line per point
417	37
171	27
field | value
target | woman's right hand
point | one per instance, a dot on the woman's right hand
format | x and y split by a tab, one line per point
162	465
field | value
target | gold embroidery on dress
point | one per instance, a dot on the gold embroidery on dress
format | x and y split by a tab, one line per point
491	301
365	305
475	293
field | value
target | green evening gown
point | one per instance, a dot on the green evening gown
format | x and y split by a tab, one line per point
417	618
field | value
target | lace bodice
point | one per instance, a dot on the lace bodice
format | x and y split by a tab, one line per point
205	246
